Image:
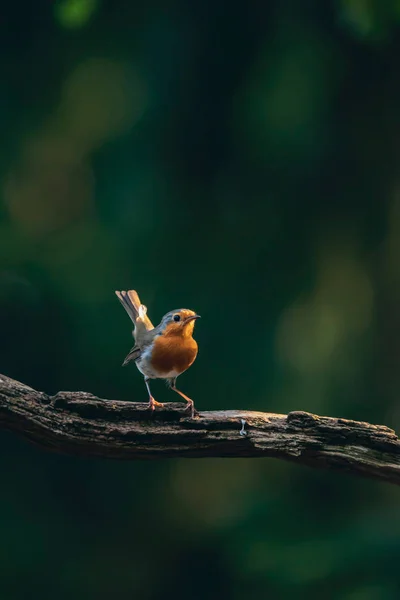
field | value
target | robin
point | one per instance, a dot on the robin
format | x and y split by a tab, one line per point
162	352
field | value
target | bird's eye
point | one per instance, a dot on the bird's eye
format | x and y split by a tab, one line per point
177	318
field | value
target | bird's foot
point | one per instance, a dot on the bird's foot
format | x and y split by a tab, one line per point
153	403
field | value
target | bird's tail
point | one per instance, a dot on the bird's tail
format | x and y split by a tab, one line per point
135	309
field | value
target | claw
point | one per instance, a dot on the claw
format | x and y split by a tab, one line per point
153	403
242	431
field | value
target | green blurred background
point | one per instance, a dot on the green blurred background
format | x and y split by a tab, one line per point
243	160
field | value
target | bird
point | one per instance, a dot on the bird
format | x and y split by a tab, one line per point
164	351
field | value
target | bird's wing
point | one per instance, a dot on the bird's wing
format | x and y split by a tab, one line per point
133	354
145	340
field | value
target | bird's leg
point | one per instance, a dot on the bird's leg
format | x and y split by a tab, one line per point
152	403
188	400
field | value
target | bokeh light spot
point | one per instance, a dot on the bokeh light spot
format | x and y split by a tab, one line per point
73	14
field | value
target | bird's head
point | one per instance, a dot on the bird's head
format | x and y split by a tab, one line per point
179	322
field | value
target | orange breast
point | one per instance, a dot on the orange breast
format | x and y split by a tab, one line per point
173	354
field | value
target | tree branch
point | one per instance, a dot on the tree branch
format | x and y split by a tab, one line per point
82	424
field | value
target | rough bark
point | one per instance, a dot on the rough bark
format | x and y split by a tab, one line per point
81	424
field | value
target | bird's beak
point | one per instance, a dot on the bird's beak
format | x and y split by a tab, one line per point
192	318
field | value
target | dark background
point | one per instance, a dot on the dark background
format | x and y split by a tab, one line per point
241	160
